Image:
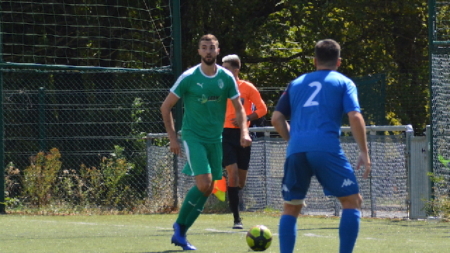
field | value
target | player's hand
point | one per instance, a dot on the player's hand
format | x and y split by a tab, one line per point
175	147
364	160
246	141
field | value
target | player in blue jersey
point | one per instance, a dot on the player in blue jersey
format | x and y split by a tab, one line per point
205	89
315	103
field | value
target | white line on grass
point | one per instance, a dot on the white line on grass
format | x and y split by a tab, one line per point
230	232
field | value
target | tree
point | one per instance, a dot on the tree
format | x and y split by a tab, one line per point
275	40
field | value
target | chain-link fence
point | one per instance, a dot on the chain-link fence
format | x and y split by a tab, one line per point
96	120
385	193
86	124
439	44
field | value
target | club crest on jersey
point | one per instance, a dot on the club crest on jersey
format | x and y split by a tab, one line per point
220	83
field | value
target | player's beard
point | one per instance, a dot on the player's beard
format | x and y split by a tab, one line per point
209	61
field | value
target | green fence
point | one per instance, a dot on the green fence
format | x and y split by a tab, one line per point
90	117
93	117
86	121
439	34
96	116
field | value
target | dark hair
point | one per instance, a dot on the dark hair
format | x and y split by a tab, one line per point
327	52
208	37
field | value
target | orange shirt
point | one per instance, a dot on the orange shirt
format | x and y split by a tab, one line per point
249	95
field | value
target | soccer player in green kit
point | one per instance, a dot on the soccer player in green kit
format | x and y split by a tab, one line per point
204	89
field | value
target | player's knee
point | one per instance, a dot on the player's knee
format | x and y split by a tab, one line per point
233	181
358	200
296	202
351	202
205	189
293	207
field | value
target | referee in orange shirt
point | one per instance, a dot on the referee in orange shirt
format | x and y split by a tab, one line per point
236	158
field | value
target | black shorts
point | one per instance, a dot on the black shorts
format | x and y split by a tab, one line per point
233	152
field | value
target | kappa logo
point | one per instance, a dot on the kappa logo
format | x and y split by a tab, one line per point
347	182
285	189
200	84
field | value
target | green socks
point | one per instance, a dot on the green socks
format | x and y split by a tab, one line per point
192	207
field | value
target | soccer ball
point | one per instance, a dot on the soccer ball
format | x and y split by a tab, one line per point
259	238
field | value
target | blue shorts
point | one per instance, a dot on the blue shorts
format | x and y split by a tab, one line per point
332	170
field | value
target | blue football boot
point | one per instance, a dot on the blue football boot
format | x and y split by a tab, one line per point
179	238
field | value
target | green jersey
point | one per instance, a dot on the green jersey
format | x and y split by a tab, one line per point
205	101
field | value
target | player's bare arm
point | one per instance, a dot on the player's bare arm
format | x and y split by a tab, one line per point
166	112
358	127
281	125
242	122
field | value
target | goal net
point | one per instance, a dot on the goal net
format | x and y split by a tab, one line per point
126	34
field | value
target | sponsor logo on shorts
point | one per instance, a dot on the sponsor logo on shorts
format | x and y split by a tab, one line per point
347	182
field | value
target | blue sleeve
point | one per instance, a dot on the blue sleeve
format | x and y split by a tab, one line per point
351	102
284	105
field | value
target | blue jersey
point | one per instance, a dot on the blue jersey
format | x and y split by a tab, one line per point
315	103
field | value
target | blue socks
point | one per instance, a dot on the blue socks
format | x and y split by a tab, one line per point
287	233
348	229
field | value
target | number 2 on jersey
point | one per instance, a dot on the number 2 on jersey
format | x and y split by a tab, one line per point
310	101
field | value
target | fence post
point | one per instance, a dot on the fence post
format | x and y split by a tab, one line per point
408	134
42	130
373	204
148	142
266	161
177	69
2	148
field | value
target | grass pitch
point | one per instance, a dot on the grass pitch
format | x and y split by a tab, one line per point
211	233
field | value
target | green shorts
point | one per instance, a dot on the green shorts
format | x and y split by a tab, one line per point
203	158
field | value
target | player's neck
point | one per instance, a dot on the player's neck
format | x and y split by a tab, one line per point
209	70
325	68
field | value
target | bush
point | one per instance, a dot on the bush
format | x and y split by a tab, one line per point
39	179
106	187
439	206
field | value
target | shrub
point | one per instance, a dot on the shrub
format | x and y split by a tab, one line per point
39	179
439	206
109	184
